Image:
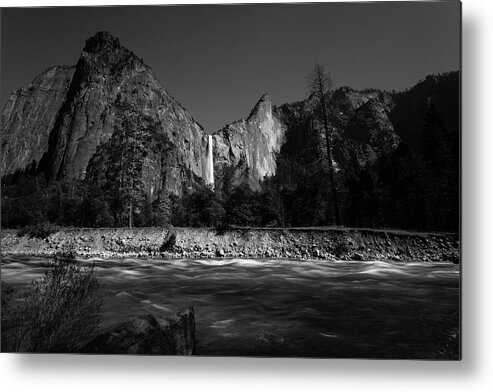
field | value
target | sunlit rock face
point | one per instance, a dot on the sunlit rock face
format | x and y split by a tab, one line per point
248	148
78	115
28	118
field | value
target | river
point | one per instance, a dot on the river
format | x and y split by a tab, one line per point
285	308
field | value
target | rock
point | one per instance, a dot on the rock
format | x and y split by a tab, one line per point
29	116
148	335
220	252
358	256
169	242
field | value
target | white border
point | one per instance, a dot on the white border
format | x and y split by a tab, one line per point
474	373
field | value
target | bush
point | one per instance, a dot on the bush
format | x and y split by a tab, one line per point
450	348
57	313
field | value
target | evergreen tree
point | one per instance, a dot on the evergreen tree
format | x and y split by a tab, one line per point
319	85
163	209
438	178
127	154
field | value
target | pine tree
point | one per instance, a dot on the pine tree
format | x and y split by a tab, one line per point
164	209
438	177
129	142
319	85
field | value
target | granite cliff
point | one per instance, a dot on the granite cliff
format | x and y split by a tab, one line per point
361	129
28	118
249	147
76	111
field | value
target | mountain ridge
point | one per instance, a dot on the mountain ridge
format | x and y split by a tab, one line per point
109	122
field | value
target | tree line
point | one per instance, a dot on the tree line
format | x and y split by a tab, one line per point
412	189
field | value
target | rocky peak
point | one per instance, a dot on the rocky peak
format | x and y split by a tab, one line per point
262	108
102	41
251	146
103	55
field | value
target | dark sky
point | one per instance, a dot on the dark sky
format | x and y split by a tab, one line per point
217	60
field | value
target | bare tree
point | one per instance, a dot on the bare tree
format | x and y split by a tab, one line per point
319	83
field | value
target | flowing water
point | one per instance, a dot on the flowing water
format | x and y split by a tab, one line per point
284	308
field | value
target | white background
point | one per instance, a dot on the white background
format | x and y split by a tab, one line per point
473	373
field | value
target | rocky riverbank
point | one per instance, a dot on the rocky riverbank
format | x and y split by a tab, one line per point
197	243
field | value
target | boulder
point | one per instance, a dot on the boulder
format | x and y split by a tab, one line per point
148	335
220	252
169	242
358	256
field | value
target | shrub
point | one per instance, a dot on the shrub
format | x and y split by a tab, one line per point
57	313
7	292
450	348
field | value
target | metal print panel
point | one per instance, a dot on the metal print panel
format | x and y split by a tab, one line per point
250	180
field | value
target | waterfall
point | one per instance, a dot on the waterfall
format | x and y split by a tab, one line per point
209	165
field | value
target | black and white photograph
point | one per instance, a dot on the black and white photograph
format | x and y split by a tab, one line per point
247	180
